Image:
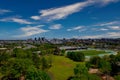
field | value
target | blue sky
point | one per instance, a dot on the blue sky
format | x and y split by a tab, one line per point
23	19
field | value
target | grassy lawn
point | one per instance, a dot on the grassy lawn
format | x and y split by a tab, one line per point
62	68
93	52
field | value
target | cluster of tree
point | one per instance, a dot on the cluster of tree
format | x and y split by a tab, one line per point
81	73
23	65
108	65
48	49
76	56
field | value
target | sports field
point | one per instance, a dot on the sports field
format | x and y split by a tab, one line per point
93	52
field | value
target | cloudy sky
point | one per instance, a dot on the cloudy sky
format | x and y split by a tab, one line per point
23	19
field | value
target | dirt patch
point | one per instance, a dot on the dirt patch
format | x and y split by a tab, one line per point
107	78
93	71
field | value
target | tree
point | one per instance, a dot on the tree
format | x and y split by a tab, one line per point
93	77
4	58
36	60
35	74
115	63
62	52
15	68
76	56
19	53
105	67
44	63
80	71
94	61
88	64
22	65
80	56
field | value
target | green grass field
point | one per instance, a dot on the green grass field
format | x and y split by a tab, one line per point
93	52
62	68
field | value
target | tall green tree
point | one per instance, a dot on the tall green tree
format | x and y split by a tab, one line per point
80	71
105	67
4	58
44	63
115	63
94	61
35	74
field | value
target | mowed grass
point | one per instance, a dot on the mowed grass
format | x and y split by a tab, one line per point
62	68
92	52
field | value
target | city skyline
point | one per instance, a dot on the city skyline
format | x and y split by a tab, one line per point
23	19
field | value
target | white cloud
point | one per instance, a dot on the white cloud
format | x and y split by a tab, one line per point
106	35
114	27
103	29
31	30
75	28
3	11
113	34
15	19
104	2
99	29
56	26
92	36
81	30
108	23
35	17
63	12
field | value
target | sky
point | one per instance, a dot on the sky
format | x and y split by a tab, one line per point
23	19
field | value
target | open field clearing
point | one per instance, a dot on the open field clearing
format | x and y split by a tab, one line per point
62	68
